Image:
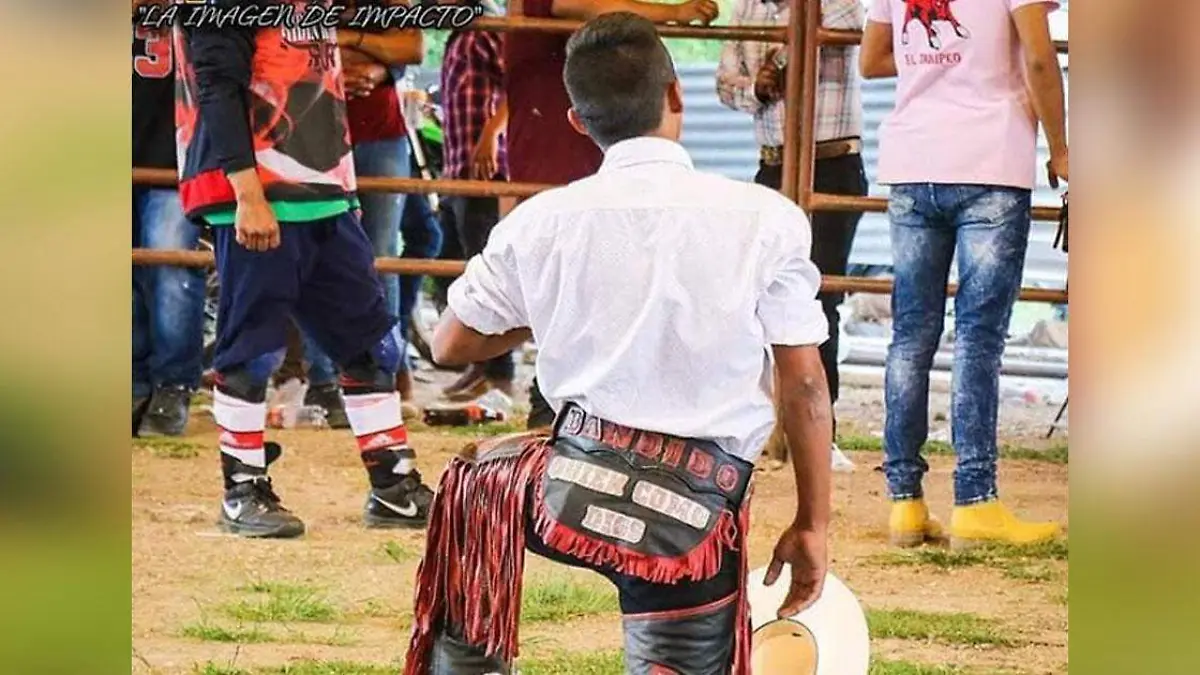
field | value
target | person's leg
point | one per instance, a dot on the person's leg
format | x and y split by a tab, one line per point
323	388
451	245
382	211
143	385
922	251
258	293
833	236
422	234
993	233
475	217
342	307
176	304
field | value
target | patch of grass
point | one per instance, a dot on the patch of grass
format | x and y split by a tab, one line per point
486	429
210	668
947	628
860	443
214	633
560	600
586	663
284	603
910	668
1058	453
1031	573
1016	562
400	553
169	448
311	667
1054	454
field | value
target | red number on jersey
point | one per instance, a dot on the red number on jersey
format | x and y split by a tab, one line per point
156	63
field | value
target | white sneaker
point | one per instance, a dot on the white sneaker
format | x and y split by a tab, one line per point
841	463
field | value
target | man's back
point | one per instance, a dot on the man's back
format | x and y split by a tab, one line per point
962	111
647	286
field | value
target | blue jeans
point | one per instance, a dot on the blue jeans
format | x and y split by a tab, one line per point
168	302
422	232
988	227
381	215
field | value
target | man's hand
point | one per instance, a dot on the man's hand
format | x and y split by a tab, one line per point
1057	168
703	11
484	158
360	73
256	226
768	82
805	551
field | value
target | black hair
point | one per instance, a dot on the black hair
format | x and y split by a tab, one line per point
617	74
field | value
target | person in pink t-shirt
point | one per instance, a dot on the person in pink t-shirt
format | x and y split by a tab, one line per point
959	152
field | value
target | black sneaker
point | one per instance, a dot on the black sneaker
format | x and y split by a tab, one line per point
140	405
252	509
329	398
168	411
405	504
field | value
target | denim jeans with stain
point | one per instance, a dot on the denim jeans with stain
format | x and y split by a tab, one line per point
168	302
987	228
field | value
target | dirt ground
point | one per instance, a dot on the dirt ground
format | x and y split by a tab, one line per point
188	578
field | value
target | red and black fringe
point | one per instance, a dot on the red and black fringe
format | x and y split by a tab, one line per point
742	635
470	578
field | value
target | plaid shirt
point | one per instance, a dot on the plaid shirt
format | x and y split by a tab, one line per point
472	88
839	98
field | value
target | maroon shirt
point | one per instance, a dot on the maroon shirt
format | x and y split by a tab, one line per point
542	146
376	117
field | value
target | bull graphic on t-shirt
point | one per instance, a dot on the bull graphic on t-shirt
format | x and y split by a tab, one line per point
927	12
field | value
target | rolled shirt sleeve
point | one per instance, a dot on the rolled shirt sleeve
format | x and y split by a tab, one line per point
488	297
788	307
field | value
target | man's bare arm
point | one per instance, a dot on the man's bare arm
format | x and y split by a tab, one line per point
876	58
685	12
807	420
457	344
1045	78
392	47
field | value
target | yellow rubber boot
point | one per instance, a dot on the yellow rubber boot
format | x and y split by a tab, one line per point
992	522
911	525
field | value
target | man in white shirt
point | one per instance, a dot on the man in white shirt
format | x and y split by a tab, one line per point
657	296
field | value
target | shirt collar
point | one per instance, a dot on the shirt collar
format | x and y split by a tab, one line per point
644	150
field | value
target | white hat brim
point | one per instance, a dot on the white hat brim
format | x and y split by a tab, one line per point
836	621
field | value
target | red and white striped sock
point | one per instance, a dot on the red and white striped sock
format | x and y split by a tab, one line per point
378	426
241	423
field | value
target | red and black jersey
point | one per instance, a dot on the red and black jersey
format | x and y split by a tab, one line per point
269	98
153	99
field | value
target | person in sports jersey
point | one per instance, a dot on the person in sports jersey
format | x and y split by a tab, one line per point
265	160
168	302
372	60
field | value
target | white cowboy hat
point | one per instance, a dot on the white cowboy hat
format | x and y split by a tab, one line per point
828	638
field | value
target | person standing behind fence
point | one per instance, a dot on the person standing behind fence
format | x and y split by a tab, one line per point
475	118
959	151
168	302
278	188
750	78
542	146
371	59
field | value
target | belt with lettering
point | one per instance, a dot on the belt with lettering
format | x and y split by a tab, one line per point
701	463
772	155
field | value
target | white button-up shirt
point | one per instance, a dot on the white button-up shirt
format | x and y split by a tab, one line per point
653	292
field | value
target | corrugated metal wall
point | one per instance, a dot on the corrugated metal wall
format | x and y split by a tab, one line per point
722	141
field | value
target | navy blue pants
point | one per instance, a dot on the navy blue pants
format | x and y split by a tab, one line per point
322	273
